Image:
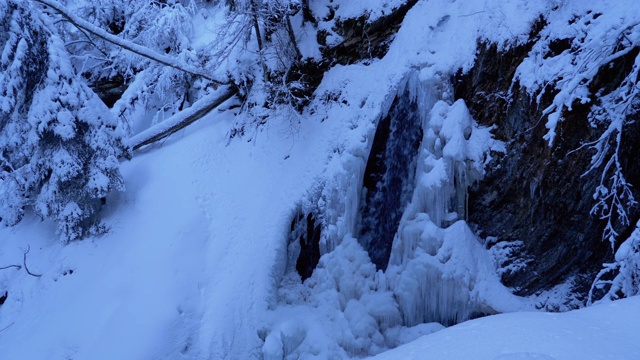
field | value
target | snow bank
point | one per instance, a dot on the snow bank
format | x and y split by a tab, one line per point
605	331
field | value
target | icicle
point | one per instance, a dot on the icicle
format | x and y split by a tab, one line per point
438	257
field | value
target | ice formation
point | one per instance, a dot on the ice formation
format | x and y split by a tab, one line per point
439	273
440	270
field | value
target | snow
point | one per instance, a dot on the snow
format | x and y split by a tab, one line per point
604	331
596	31
197	264
165	279
349	9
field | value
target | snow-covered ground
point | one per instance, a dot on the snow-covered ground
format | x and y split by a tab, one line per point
187	265
604	331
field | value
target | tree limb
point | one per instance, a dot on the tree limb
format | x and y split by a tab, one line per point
133	47
24	261
90	41
256	28
182	119
292	38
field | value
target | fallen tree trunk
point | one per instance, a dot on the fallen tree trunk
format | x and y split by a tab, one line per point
182	119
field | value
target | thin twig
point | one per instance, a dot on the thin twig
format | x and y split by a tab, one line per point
6	327
475	13
89	40
24	260
10	266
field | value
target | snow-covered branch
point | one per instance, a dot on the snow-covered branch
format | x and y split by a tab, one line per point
133	47
182	119
627	269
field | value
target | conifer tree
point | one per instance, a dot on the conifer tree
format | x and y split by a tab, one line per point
59	144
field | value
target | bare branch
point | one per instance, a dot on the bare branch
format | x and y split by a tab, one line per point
89	40
292	38
24	261
133	47
256	26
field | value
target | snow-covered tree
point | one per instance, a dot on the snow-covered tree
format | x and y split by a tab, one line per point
59	145
252	46
626	268
163	26
261	38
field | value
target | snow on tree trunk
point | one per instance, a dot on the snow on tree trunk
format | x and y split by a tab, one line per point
182	119
59	145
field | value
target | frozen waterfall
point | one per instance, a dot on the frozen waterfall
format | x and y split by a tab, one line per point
439	268
412	264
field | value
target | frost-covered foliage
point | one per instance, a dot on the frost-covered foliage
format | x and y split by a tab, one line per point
59	144
251	43
627	281
626	268
270	29
504	255
167	28
560	298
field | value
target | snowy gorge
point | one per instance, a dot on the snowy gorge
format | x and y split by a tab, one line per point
312	179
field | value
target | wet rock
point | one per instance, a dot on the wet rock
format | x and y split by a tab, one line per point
537	193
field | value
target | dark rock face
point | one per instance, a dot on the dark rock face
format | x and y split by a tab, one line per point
364	39
305	230
536	193
388	178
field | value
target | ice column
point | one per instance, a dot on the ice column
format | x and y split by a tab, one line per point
436	259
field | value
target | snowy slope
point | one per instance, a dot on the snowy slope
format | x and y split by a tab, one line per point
605	331
188	263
